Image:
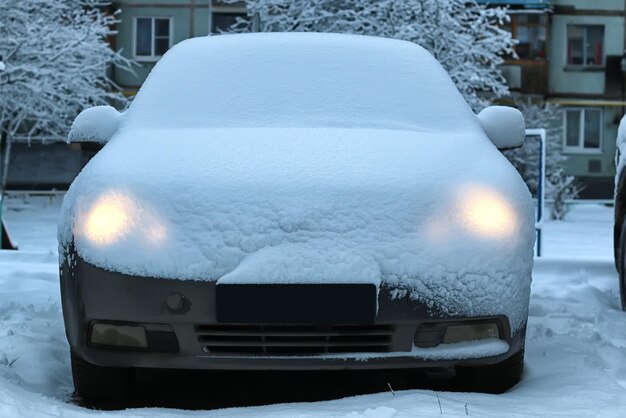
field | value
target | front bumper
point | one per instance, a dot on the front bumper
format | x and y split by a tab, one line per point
93	294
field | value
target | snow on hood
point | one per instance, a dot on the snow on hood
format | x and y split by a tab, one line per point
309	205
308	158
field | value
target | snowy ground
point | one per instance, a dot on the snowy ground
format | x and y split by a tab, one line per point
575	358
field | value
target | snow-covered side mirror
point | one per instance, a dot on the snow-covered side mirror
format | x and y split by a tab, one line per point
96	124
504	126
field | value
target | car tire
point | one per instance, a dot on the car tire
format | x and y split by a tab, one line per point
95	384
622	265
495	378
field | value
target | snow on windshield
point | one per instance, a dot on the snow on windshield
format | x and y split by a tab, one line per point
299	80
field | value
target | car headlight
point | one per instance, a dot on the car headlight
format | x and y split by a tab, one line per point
486	213
107	220
470	332
114	216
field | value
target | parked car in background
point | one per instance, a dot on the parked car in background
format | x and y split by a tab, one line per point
341	208
619	228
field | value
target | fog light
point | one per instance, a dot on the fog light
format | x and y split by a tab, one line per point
119	335
471	332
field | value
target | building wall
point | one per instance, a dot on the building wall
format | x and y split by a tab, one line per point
566	79
572	86
591	4
578	163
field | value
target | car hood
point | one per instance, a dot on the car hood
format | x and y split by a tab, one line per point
302	205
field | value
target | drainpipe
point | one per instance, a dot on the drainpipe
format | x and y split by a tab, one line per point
623	68
211	17
192	18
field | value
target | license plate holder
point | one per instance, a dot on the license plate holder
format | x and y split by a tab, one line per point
302	304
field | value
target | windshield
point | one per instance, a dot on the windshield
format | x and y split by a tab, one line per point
299	80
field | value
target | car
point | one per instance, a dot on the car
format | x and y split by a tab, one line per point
619	226
296	201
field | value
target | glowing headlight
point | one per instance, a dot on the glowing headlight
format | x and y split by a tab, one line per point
107	220
114	216
486	213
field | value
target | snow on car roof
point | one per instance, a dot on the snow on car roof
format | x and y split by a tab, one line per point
342	81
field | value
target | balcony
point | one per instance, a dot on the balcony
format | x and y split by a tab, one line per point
527	76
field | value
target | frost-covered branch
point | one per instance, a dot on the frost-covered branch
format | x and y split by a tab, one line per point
55	58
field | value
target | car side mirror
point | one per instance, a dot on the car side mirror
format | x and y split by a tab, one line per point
96	124
504	126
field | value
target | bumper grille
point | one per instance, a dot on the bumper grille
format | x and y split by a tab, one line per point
289	340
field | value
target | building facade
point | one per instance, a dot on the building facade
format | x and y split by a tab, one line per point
587	80
570	54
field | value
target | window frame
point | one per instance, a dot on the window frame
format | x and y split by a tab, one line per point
585	28
152	57
580	148
515	26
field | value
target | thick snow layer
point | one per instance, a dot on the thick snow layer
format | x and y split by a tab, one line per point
575	350
313	204
319	263
96	124
504	126
299	80
336	159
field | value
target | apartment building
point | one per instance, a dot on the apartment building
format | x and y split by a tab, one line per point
570	54
586	79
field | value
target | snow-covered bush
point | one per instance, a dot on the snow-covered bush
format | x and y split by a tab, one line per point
55	57
465	37
559	185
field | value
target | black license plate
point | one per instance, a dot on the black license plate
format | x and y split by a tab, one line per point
310	304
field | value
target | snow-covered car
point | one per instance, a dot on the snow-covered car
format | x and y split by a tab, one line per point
619	227
293	202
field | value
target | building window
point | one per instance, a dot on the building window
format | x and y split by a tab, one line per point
585	45
153	36
222	21
530	30
583	129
